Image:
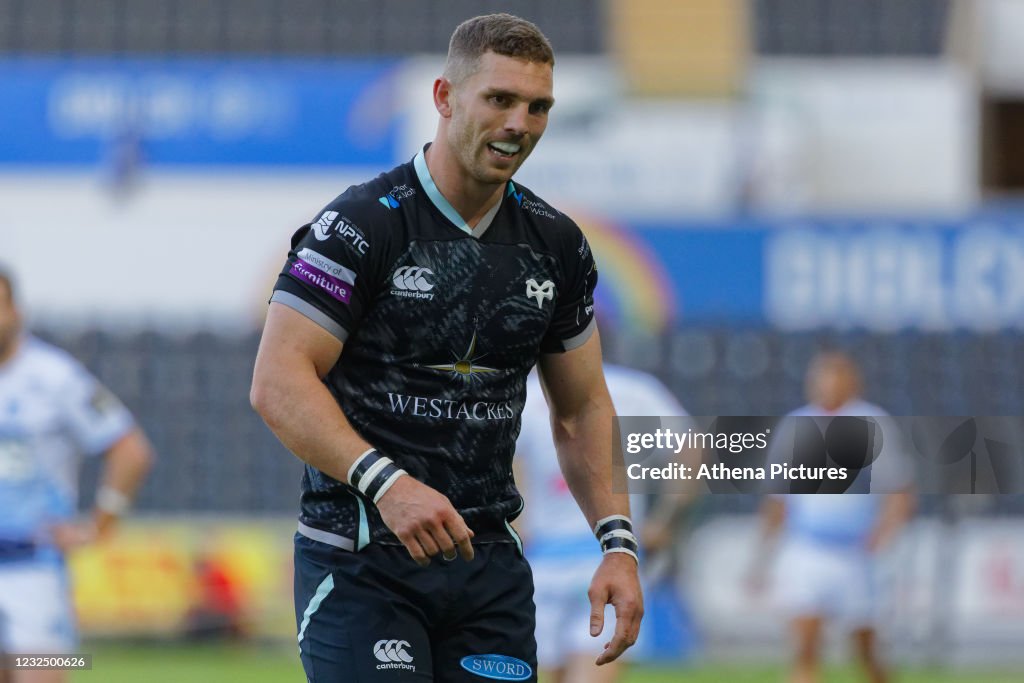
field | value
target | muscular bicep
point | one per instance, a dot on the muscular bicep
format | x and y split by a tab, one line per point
291	340
574	380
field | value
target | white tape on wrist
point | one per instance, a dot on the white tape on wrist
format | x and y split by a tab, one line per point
617	533
112	501
614	522
355	464
388	484
372	474
624	551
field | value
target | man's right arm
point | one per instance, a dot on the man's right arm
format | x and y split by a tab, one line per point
288	392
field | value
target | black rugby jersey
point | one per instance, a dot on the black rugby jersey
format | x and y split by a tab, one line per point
440	328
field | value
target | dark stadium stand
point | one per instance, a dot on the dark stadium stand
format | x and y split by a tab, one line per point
876	28
395	27
191	394
273	27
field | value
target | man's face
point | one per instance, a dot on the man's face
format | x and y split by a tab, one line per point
831	382
498	114
10	320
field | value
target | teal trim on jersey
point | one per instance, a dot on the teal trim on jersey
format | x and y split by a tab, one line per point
322	591
515	536
423	173
363	539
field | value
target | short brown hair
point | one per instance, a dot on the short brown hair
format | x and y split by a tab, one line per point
501	34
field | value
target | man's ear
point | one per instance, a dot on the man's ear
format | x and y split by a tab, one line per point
443	93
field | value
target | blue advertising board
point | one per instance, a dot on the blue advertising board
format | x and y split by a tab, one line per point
808	273
197	111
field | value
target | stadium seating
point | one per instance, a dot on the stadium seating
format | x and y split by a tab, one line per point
190	392
284	27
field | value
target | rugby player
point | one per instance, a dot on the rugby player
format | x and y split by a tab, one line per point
561	551
52	411
827	571
394	361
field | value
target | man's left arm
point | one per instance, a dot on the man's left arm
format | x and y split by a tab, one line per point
125	466
101	425
581	423
126	463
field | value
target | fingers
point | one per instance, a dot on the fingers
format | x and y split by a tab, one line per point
628	614
69	536
415	549
616	647
457	531
447	544
449	539
598	599
425	522
427	542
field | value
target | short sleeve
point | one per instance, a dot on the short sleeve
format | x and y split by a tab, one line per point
94	416
573	322
328	274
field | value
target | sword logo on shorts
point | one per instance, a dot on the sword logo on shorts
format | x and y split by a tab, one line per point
540	292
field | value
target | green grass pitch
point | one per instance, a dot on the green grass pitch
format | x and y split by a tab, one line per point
225	664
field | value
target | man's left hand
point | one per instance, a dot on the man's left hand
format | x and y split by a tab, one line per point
68	536
616	582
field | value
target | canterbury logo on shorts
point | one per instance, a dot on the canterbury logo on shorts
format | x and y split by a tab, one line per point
394	654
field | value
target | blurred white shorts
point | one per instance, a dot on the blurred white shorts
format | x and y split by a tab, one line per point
36	616
563	610
831	582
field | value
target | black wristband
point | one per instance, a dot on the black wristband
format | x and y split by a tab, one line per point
362	464
612	523
383	476
620	542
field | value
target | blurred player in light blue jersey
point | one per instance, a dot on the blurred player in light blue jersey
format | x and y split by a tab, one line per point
52	411
826	570
562	553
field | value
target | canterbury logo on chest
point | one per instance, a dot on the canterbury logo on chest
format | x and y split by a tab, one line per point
414	282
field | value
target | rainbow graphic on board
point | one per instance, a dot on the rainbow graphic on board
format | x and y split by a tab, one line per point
633	291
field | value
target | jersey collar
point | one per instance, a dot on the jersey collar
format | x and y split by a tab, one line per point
444	206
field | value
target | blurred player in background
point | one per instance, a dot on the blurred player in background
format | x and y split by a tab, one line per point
561	551
52	411
394	362
827	570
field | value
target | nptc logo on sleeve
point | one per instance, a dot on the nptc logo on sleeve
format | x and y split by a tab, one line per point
322	227
328	224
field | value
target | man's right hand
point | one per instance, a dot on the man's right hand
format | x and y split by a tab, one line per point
425	521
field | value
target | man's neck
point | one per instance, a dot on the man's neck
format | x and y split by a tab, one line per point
471	198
